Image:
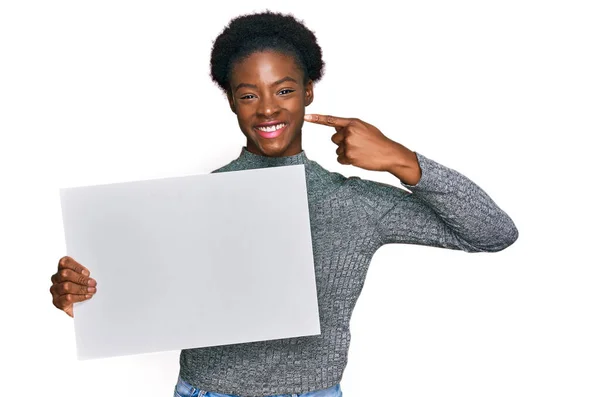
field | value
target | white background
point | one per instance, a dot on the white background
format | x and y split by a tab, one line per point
506	92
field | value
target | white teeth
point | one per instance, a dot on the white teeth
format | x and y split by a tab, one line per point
271	128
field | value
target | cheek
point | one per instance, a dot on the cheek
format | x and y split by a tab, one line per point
243	116
297	108
245	127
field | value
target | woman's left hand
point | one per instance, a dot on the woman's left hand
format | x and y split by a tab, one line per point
364	145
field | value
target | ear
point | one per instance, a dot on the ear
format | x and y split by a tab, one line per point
231	102
308	93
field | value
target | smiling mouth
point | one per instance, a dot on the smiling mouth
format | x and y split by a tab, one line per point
272	131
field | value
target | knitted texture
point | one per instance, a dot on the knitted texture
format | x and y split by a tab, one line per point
350	218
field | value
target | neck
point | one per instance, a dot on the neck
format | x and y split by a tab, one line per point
254	150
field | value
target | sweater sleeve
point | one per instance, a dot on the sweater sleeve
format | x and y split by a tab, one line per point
447	210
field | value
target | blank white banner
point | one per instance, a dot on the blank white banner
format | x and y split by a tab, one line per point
193	261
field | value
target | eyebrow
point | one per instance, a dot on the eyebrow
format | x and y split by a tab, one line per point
283	80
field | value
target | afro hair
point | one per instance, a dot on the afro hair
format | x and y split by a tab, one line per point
268	30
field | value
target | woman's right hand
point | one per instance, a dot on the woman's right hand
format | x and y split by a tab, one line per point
71	283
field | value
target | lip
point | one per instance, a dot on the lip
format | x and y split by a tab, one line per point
273	134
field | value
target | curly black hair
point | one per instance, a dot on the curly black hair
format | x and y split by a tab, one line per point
268	30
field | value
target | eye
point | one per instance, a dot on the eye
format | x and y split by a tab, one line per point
286	91
247	96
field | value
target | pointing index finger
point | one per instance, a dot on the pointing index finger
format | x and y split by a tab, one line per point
331	121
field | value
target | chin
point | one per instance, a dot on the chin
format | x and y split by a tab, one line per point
272	151
276	148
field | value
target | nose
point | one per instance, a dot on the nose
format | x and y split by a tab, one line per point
268	106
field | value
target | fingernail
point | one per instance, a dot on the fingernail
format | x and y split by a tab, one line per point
307	117
85	272
90	281
88	296
91	289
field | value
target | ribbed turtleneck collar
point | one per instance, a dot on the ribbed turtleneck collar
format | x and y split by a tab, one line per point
257	161
319	181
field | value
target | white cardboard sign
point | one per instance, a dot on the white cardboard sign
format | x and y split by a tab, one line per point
193	261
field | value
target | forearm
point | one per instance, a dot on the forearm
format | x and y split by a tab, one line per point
468	218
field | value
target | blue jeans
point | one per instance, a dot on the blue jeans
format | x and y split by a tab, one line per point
184	389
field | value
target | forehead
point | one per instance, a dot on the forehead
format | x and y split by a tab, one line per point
265	65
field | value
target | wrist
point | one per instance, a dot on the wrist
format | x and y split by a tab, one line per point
404	165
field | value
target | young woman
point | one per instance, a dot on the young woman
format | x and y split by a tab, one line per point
267	65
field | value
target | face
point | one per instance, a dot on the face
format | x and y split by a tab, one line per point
268	96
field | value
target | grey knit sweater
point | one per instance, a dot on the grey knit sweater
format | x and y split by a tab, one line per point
350	219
